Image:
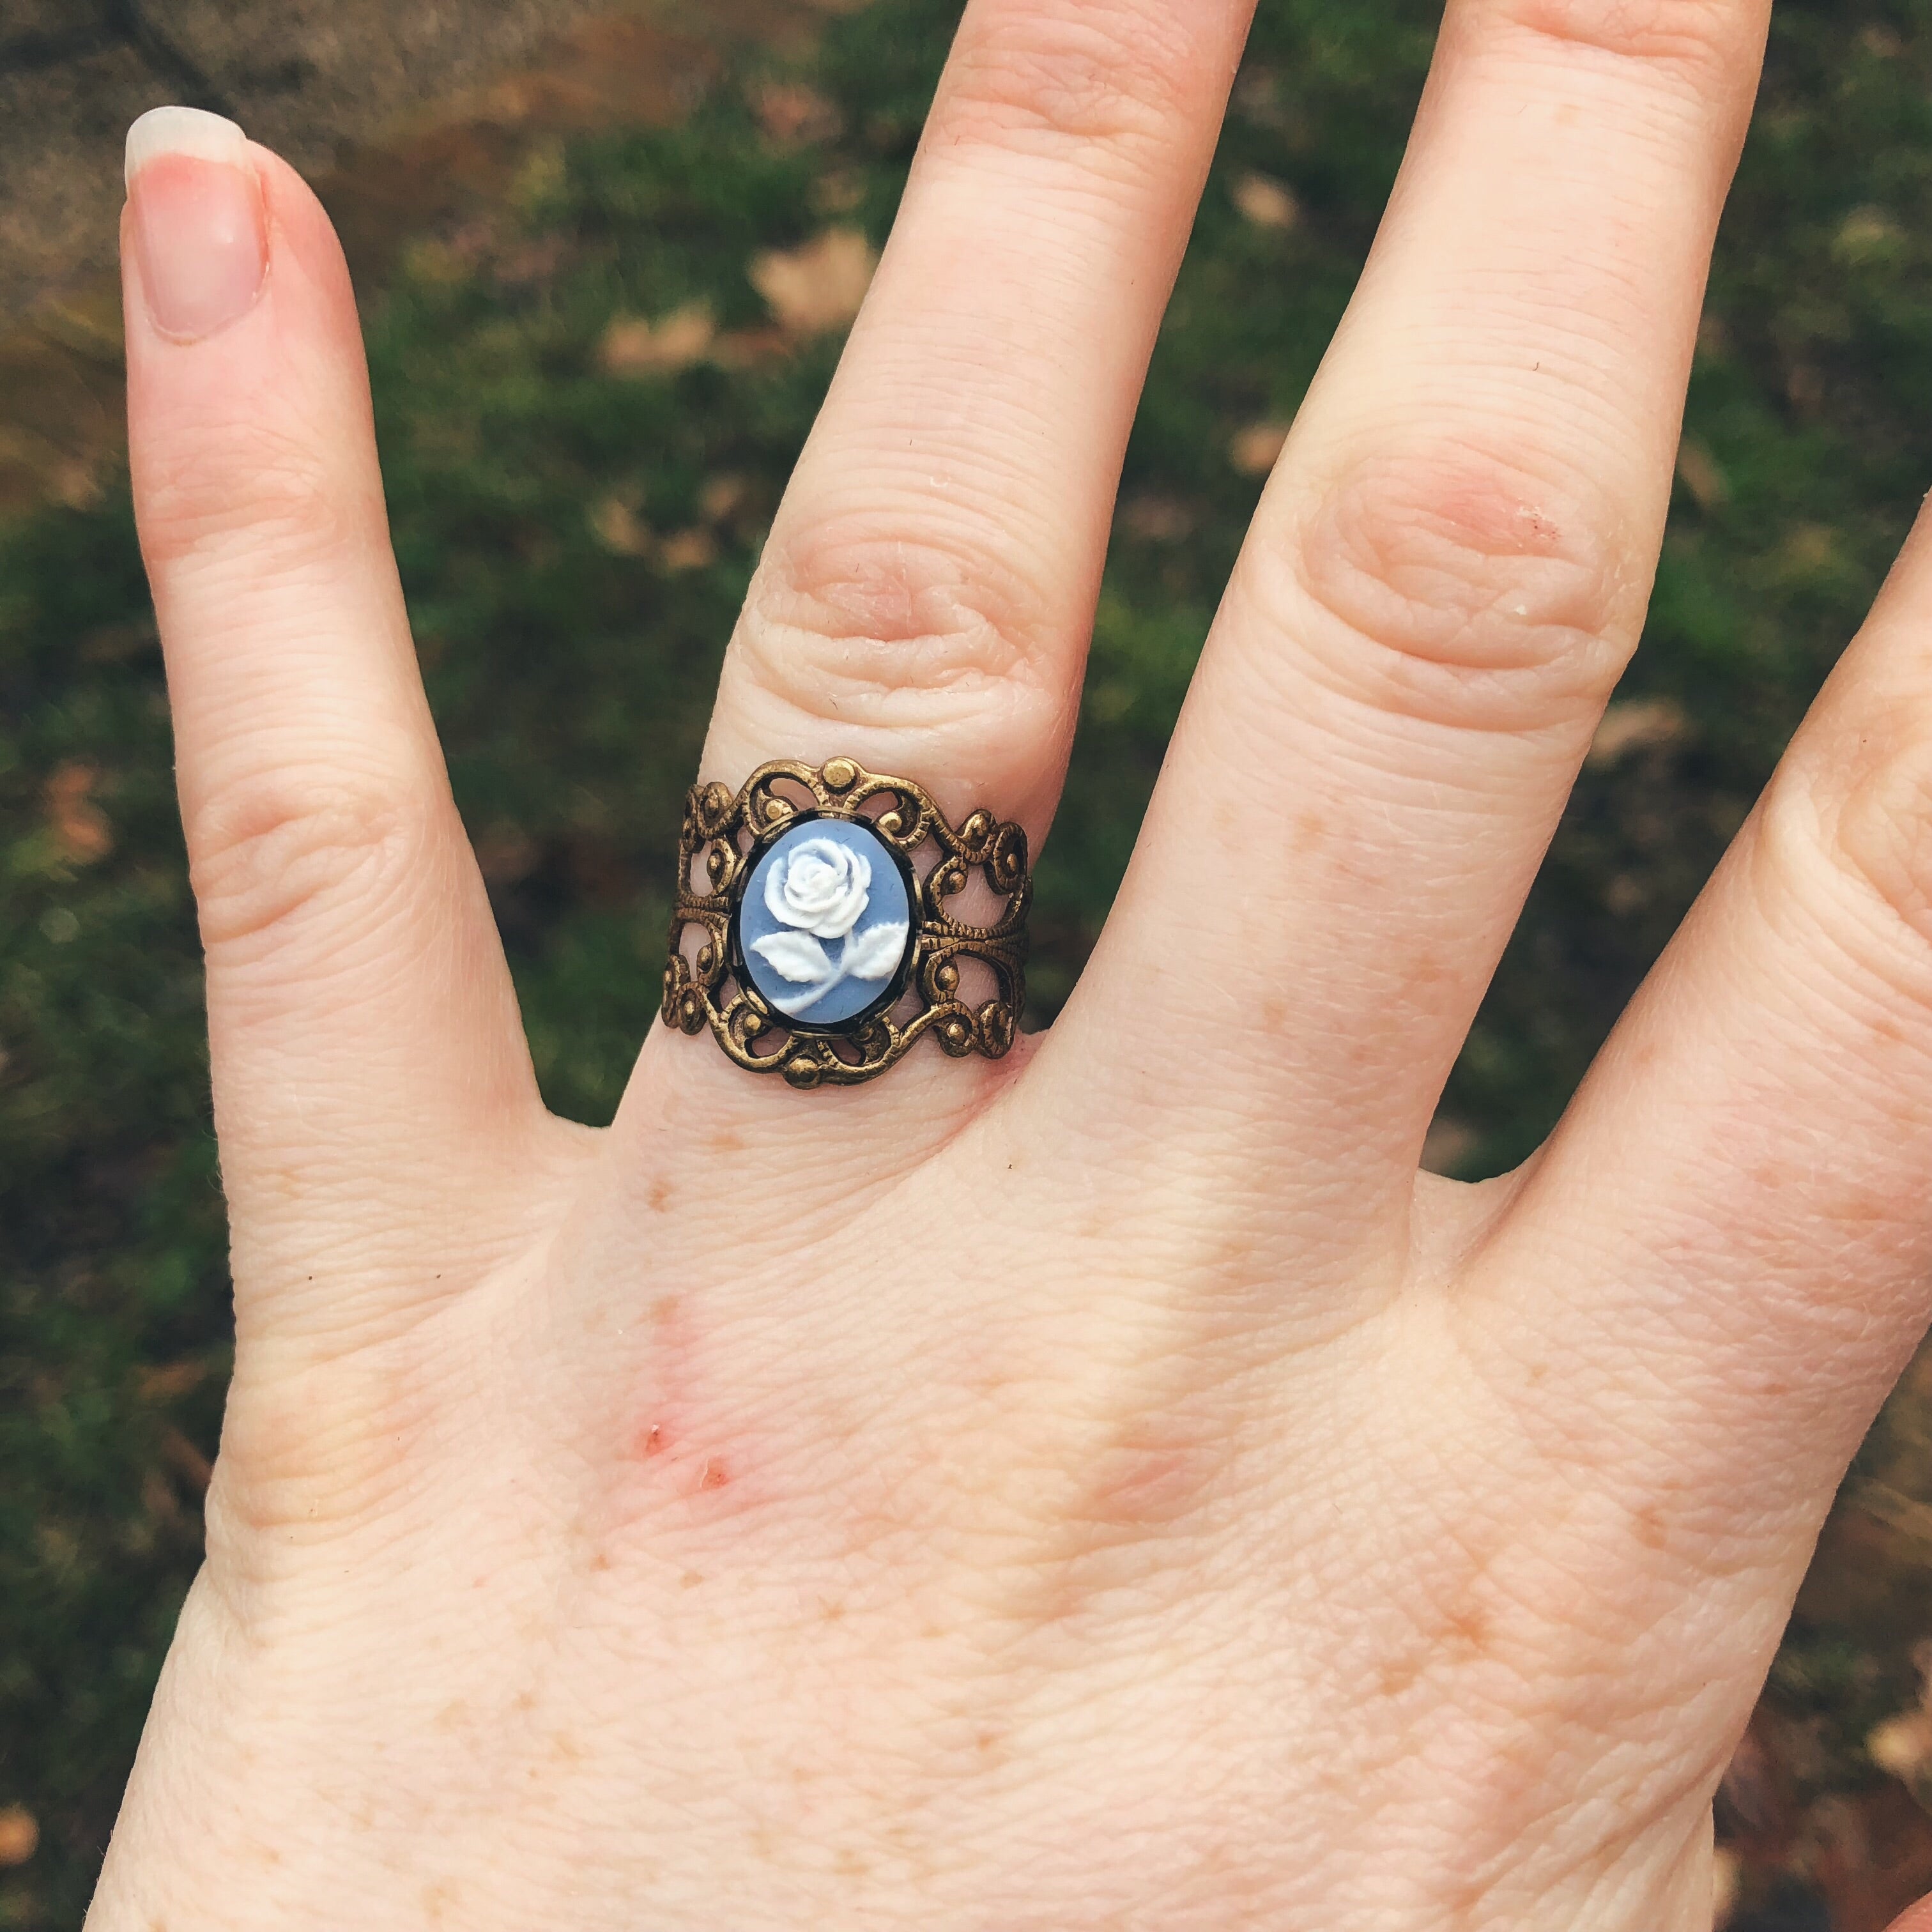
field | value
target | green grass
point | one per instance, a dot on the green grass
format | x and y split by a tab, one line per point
572	680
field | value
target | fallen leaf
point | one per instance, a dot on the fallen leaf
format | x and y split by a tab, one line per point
746	348
1727	1880
166	1380
1699	470
632	346
1902	1747
1257	449
1448	1143
536	260
186	1460
19	1835
819	287
619	528
1626	895
688	549
1868	235
723	497
1156	519
795	115
1637	724
80	827
839	192
1267	202
506	853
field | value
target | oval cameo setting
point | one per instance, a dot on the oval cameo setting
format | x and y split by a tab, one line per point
824	924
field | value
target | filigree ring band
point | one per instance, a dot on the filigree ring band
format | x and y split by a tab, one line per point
815	934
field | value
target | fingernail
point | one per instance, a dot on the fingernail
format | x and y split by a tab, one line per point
200	231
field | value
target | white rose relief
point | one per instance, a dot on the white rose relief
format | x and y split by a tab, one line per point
826	920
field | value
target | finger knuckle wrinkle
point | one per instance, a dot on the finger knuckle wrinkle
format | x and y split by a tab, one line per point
855	628
1668	34
1115	74
1883	835
286	501
1464	588
266	855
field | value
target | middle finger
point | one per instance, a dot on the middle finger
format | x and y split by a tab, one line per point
1446	576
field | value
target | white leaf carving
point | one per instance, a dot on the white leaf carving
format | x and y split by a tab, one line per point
874	955
797	956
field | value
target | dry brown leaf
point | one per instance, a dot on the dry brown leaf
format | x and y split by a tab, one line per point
1902	1747
79	826
1156	519
1448	1143
1625	896
839	192
1267	202
1699	470
167	1380
185	1459
617	526
1257	449
1637	724
19	1835
506	853
819	287
1726	1880
632	346
795	115
723	497
747	348
688	549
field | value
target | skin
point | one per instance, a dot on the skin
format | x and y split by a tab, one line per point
1112	1488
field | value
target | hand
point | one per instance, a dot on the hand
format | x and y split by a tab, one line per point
1107	1488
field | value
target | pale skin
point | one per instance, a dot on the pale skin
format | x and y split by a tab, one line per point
1110	1488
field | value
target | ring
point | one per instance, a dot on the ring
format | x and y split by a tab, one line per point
814	934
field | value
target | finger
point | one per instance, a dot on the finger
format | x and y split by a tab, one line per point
364	1036
1741	1186
1918	1919
926	599
1446	573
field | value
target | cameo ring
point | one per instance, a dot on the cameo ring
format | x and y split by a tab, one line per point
824	922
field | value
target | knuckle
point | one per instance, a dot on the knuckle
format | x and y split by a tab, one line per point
1879	833
279	494
1110	73
267	852
1692	35
1460	586
845	626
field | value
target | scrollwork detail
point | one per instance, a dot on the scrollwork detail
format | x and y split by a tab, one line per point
723	832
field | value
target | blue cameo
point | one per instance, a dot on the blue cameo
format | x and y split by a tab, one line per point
825	921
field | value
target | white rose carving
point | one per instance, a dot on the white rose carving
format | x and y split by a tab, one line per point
820	888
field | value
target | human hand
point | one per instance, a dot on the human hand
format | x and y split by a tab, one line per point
1107	1488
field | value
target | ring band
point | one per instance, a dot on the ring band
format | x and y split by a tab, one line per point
807	938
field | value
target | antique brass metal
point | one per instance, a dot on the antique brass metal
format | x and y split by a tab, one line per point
724	833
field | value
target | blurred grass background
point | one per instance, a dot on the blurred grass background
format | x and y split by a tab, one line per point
590	393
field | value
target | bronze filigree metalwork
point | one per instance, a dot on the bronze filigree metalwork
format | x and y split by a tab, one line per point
724	834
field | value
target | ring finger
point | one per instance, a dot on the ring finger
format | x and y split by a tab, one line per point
926	599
